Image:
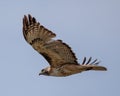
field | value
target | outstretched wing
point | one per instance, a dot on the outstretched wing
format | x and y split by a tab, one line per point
55	52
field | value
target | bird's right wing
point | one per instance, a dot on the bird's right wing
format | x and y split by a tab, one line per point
88	65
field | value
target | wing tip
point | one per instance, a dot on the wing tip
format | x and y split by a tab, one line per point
94	63
27	20
25	25
90	62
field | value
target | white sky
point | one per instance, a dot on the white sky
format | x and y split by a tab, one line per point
90	27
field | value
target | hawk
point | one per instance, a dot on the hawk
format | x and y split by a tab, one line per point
59	55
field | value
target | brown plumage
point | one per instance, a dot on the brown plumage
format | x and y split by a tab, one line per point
59	55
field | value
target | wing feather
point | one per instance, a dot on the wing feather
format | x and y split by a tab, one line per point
92	65
55	52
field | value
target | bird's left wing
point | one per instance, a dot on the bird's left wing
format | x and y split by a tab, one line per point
55	52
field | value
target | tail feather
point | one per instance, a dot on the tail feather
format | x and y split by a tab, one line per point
94	67
88	65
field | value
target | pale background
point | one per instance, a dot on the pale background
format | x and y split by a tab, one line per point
90	27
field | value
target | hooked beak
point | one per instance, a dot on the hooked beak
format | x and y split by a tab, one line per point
41	73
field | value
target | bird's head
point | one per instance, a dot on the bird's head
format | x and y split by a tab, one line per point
45	71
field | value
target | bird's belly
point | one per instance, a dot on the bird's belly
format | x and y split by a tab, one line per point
65	70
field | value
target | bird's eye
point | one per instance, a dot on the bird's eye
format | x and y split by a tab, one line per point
42	70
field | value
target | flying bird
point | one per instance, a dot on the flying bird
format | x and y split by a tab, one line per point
59	55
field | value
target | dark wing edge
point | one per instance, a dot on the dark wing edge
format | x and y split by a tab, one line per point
92	65
32	31
30	24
